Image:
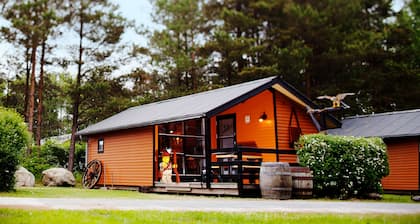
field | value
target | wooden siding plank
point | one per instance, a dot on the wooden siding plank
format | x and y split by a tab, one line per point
403	156
262	133
284	107
127	159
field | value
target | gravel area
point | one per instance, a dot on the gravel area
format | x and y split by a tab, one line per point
212	204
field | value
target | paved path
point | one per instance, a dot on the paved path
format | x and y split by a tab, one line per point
211	204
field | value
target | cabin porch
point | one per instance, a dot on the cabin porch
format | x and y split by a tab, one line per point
233	172
228	189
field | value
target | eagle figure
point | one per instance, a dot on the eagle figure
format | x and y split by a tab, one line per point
336	100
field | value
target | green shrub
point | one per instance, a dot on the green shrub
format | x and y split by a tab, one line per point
79	155
35	163
14	138
344	167
53	154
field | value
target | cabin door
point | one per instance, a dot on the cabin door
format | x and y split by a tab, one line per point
226	131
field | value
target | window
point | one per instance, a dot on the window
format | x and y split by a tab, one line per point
226	131
100	145
186	140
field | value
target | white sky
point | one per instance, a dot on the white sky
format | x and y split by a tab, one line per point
139	11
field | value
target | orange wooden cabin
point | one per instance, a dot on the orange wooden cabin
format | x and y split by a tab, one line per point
401	133
219	138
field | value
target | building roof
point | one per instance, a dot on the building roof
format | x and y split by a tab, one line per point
384	125
204	104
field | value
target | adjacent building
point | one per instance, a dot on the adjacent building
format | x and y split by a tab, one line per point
401	133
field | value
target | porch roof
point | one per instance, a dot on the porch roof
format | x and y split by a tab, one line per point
385	125
204	104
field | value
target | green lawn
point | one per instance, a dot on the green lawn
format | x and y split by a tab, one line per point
397	198
68	192
16	216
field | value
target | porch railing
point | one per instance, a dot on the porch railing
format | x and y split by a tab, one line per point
240	164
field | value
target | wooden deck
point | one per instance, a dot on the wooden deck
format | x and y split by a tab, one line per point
229	189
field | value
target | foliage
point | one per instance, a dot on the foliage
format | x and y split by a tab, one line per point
320	47
176	48
344	167
31	25
102	96
35	163
99	28
54	102
52	154
14	138
403	67
177	217
79	155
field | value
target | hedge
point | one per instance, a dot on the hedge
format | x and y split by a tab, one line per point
14	138
344	167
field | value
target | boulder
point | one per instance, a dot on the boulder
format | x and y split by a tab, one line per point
24	178
374	196
58	177
415	198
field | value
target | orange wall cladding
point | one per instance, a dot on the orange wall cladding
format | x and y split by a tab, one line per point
127	159
284	107
263	133
403	156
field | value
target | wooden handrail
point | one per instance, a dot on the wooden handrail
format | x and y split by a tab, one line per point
252	149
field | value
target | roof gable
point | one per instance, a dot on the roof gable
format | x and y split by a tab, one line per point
384	125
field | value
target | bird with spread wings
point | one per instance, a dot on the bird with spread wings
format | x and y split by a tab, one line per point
337	99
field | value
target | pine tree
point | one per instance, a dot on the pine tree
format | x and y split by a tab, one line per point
99	30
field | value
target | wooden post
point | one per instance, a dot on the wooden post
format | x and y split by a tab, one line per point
175	167
240	181
207	148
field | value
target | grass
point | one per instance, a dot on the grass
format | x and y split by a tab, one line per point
15	216
63	192
397	198
391	198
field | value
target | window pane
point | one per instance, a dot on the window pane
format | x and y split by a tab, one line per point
193	127
193	165
226	143
171	128
225	127
100	145
193	146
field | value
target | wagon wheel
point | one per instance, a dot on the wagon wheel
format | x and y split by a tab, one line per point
92	174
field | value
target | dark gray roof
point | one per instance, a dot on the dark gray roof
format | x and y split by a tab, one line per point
384	125
177	109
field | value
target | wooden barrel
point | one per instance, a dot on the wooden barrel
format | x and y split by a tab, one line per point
302	181
275	180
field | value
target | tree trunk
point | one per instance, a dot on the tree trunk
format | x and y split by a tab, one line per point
308	85
32	92
76	96
28	74
40	97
